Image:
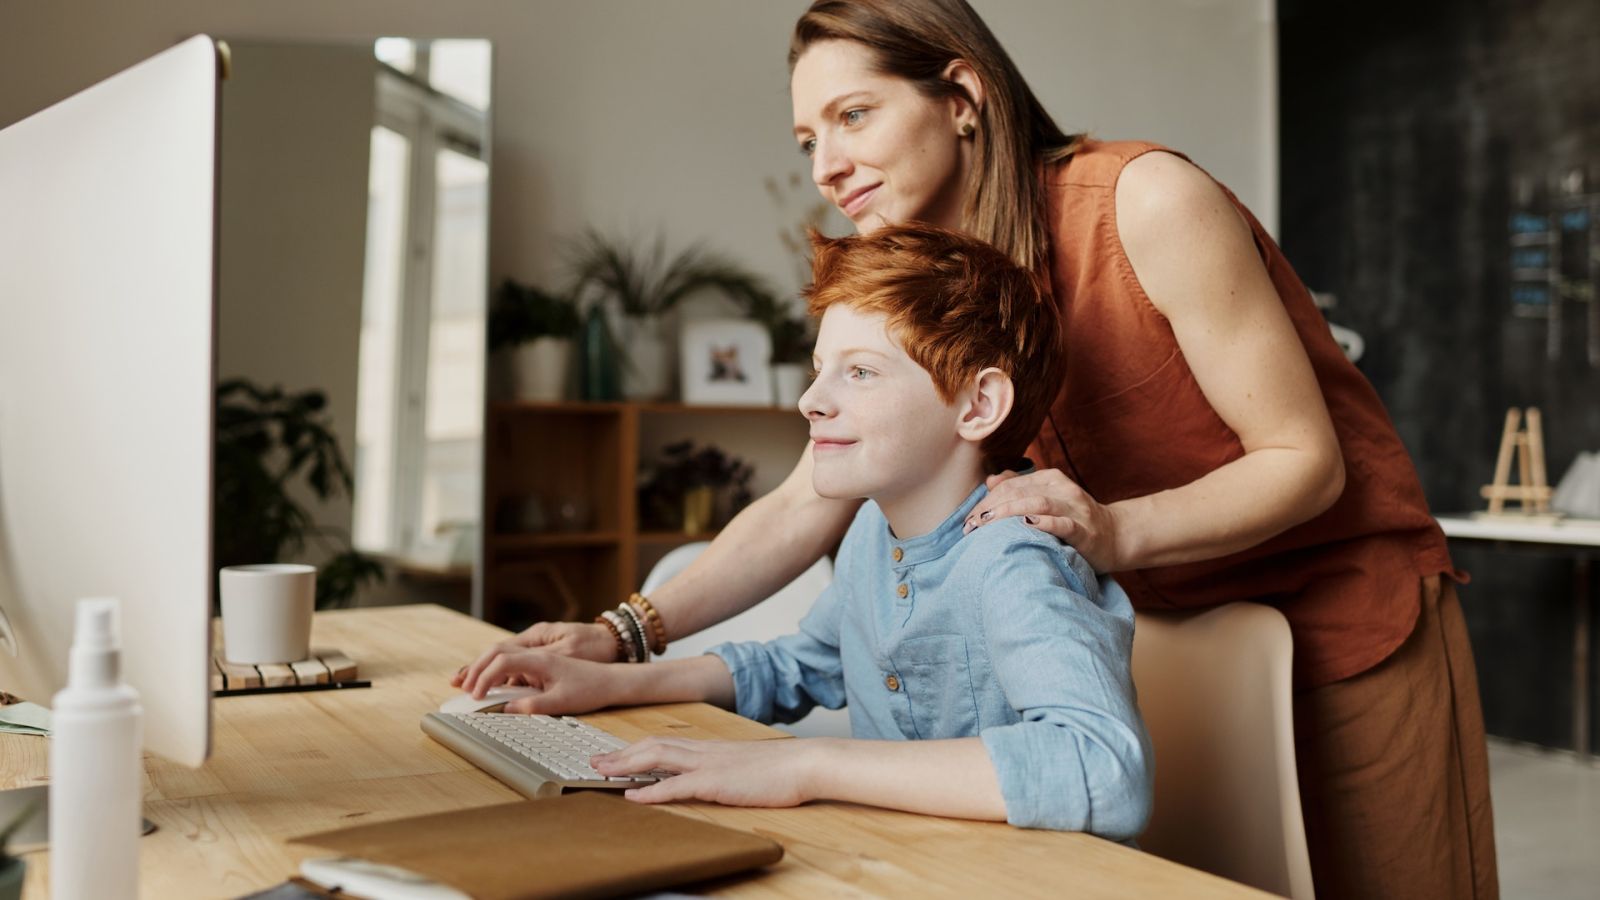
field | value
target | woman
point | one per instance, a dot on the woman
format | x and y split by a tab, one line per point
1209	443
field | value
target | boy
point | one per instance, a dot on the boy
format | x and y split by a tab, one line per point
987	674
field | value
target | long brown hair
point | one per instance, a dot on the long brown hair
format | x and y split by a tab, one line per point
916	40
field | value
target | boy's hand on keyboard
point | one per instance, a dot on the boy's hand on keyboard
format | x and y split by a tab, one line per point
733	773
566	685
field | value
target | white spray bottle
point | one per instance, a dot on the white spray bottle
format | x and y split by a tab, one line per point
96	772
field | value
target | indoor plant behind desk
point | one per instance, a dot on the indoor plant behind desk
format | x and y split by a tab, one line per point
534	330
267	442
645	285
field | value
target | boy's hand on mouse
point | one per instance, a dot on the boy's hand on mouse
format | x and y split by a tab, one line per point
565	685
733	773
1053	503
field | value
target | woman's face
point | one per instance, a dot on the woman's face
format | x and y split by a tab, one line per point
880	151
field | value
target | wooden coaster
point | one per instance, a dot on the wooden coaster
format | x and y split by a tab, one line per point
325	666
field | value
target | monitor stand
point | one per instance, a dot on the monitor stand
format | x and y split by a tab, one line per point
35	833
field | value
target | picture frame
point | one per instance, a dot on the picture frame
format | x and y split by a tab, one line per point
725	362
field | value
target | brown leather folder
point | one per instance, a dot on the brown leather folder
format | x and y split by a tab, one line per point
583	844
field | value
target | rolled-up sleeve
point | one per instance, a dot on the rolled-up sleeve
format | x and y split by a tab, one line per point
781	680
1080	758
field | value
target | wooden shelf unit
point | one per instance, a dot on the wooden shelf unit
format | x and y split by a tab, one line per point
588	452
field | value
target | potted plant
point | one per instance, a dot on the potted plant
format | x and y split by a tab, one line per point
271	445
681	487
792	336
646	285
792	339
536	328
13	868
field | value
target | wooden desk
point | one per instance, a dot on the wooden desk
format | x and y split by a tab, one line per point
1579	538
284	765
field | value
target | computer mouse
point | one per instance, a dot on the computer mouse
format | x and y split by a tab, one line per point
494	701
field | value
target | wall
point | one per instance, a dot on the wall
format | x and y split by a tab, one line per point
1411	135
296	129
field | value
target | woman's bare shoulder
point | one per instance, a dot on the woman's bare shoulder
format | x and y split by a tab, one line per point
1160	190
1176	224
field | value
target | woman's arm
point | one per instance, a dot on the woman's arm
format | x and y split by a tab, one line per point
766	546
1196	259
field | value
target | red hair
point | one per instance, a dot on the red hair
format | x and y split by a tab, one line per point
957	306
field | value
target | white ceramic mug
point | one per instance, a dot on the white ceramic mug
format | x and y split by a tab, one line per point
266	612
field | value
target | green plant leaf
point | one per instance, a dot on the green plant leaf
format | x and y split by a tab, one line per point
268	440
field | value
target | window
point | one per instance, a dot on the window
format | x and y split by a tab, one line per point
419	427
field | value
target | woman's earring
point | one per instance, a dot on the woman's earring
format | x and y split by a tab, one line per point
966	129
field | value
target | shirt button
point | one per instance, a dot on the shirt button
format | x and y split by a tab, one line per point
898	554
903	590
892	683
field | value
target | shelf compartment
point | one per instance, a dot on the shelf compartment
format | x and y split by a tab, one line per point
556	539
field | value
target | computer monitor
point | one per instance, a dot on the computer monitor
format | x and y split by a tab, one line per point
107	373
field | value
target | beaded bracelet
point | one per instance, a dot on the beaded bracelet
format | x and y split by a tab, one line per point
658	631
622	648
631	616
630	639
623	632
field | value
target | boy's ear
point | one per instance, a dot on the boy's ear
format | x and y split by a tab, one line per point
987	402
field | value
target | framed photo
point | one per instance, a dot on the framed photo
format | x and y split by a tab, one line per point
725	362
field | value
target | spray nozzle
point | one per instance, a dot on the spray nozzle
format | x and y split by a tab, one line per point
97	624
95	643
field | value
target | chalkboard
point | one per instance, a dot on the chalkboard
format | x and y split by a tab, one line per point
1441	177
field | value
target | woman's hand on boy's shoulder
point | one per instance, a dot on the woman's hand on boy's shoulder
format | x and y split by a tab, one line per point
1053	503
733	773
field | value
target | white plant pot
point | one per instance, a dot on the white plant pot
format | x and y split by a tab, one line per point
647	370
540	369
788	383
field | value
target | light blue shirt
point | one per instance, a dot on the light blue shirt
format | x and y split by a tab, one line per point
1004	634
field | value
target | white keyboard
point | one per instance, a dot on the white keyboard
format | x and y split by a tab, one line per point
538	756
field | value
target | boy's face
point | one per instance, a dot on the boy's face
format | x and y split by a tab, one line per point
878	427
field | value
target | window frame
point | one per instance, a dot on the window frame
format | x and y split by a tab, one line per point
429	121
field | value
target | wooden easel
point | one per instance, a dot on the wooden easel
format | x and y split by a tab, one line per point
1532	494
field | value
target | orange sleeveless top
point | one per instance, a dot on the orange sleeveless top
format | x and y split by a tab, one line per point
1131	420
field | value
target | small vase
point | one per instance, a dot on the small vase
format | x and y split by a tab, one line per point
698	504
645	373
600	379
540	369
788	383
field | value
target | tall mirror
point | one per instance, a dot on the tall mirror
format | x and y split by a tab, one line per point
353	234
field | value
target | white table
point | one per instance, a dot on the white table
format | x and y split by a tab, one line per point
1581	539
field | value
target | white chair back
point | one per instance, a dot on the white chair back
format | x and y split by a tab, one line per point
1214	688
778	615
